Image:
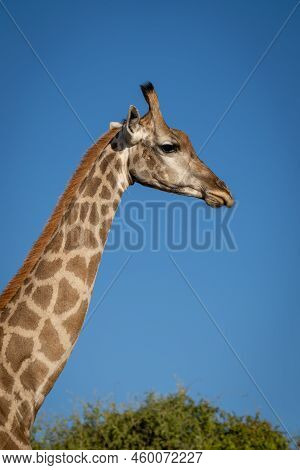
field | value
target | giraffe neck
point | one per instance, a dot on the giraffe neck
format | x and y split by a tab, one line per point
41	324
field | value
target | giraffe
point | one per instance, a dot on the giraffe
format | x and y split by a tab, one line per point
43	307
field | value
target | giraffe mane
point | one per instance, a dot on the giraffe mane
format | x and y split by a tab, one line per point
49	229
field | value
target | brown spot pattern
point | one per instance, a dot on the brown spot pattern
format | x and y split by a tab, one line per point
104	164
105	192
92	186
18	350
47	269
4	314
24	317
42	296
77	265
94	216
74	322
66	298
73	239
83	211
50	342
92	268
34	375
6	380
111	178
104	209
89	239
104	230
72	214
55	244
4	409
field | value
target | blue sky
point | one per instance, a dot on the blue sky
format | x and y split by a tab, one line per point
150	332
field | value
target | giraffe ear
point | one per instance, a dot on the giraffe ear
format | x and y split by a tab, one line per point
133	132
133	119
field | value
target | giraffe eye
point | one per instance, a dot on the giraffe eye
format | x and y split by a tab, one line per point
169	148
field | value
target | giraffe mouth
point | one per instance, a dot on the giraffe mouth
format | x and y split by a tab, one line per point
218	199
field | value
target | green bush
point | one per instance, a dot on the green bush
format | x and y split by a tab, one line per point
172	422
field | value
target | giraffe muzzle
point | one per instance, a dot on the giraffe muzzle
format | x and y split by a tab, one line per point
218	198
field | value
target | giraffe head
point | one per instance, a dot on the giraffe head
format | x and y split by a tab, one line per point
164	158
